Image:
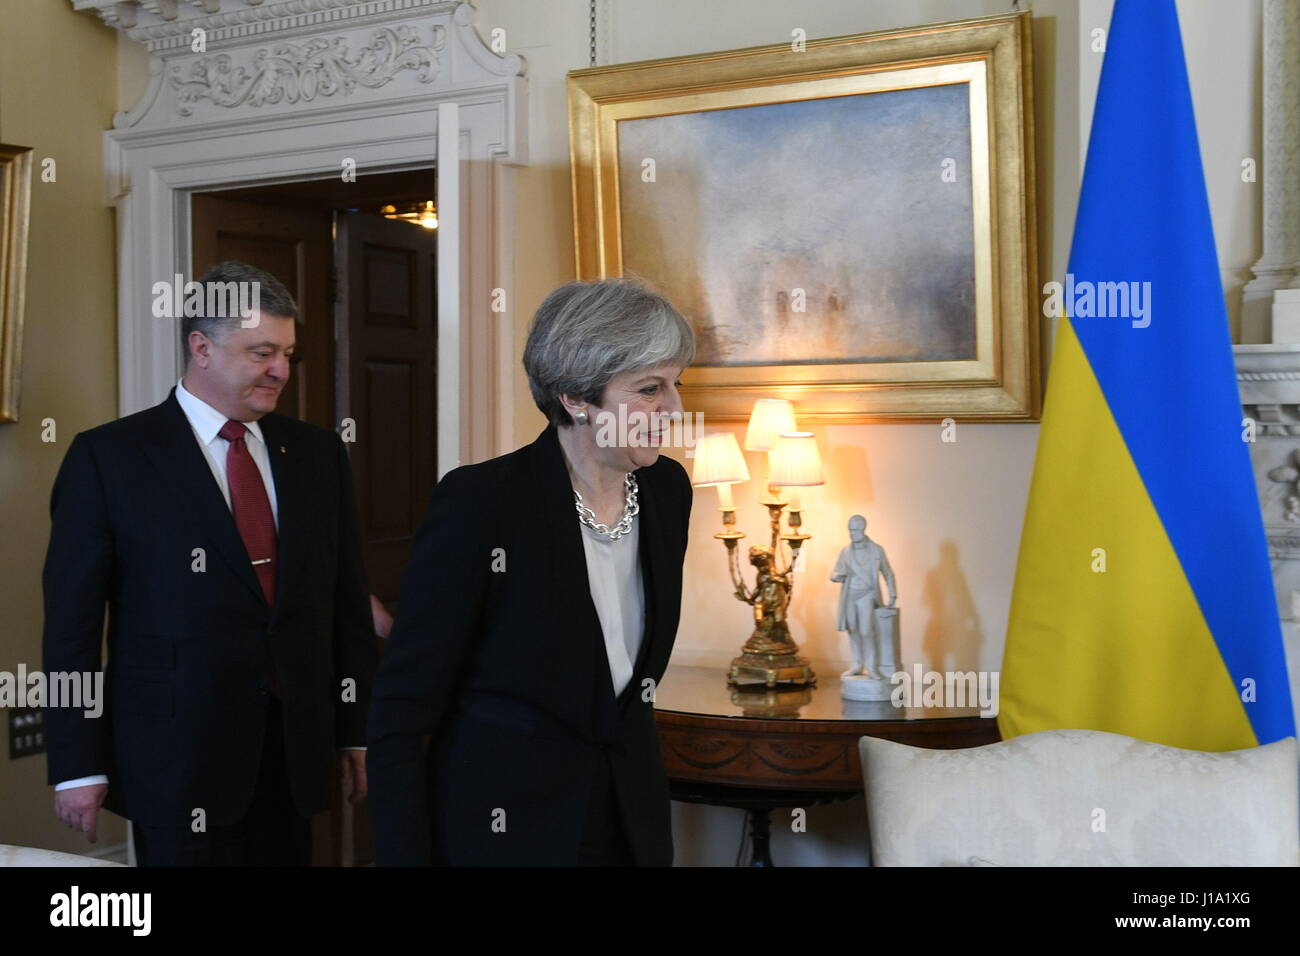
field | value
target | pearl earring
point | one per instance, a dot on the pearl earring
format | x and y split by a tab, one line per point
580	418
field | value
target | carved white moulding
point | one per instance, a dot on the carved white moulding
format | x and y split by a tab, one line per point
293	72
1268	379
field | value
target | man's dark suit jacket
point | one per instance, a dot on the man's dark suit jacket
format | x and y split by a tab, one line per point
498	654
191	638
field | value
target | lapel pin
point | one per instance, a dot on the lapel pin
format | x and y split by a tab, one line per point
281	449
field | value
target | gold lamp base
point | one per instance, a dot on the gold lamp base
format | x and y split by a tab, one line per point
770	670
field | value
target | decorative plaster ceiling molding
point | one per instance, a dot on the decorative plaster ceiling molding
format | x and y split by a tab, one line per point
167	25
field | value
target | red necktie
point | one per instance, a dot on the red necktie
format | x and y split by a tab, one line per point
251	506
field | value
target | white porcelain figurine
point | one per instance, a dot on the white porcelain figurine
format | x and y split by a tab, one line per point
872	625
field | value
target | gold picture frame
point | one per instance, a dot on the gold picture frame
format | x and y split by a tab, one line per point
982	365
15	193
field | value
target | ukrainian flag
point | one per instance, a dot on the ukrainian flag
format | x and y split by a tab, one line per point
1143	600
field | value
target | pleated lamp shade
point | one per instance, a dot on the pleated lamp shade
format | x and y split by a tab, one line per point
796	461
770	417
718	461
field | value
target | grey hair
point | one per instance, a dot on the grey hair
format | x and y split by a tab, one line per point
218	287
585	333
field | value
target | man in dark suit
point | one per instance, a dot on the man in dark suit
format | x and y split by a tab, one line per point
223	540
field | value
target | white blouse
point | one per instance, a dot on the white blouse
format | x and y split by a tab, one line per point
614	571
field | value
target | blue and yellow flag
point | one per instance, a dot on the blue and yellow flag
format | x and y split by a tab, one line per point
1144	601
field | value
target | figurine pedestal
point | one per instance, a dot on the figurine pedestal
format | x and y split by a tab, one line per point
770	670
859	687
887	637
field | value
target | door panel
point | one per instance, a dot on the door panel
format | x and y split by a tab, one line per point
296	246
389	345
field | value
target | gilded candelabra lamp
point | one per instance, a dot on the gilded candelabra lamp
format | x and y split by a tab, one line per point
770	656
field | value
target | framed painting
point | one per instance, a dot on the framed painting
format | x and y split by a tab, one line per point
15	190
848	223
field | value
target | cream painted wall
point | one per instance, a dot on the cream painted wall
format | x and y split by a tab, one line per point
57	89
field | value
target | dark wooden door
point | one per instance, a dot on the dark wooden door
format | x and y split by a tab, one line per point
388	358
294	244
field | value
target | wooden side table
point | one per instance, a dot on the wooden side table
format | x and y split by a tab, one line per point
760	749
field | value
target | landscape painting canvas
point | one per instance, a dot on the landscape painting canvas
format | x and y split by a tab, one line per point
824	231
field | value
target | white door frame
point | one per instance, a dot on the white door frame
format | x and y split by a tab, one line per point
280	96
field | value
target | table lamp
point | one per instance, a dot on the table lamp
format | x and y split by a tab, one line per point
770	656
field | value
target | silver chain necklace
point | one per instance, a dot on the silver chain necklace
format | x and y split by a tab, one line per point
630	510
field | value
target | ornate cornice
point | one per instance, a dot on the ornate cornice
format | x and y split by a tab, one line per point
168	28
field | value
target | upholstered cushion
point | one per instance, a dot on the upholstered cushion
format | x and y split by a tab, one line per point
33	856
1081	798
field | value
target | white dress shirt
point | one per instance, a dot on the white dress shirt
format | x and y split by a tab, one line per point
205	421
614	572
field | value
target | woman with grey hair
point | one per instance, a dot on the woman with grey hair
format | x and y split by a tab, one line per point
538	612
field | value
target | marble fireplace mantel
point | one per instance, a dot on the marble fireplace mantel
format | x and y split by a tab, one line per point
1268	377
1268	365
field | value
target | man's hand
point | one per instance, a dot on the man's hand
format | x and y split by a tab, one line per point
78	807
383	621
354	774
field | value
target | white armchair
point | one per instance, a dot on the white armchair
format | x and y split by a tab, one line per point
34	856
1081	798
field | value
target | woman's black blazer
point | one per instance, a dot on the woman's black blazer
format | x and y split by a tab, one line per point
497	654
